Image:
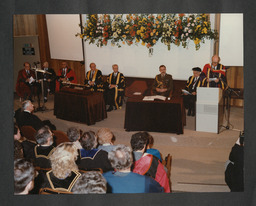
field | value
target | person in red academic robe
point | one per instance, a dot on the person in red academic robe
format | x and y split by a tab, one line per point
65	74
25	86
216	71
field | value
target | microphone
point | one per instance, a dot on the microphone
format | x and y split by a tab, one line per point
38	62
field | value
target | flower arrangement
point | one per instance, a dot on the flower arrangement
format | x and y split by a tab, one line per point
147	29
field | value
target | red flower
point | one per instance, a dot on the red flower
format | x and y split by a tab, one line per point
105	28
105	34
105	41
181	15
176	34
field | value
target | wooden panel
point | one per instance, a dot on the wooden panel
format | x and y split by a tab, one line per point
25	25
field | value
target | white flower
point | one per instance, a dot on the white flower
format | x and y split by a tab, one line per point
190	31
188	38
186	34
194	20
188	24
115	35
192	24
182	35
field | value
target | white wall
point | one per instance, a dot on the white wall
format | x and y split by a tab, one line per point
231	39
62	40
134	61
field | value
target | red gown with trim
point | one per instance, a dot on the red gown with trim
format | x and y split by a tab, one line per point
70	75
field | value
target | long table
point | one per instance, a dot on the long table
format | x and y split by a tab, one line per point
157	116
79	105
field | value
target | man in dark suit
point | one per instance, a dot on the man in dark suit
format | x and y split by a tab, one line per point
26	117
115	89
93	79
48	79
163	84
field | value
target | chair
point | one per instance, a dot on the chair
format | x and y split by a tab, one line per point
60	137
28	132
167	162
50	191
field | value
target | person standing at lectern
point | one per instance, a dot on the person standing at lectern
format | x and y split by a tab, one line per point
163	83
65	74
215	74
193	82
115	89
93	79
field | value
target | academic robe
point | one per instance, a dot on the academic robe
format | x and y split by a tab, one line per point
23	88
70	74
114	96
219	72
151	166
97	78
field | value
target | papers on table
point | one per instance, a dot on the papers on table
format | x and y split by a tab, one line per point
31	80
212	79
152	98
186	92
137	93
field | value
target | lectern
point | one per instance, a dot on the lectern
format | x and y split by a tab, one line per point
209	109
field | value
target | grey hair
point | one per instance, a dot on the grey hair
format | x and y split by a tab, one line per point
121	157
91	182
43	134
25	104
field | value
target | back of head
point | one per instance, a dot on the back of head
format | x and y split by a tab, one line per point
25	104
18	150
63	159
88	140
43	134
121	157
150	140
139	140
104	136
24	173
91	182
73	134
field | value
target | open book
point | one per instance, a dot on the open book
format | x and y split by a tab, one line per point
152	98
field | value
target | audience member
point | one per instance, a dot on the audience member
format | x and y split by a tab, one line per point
65	74
74	136
26	117
163	83
25	86
45	148
64	173
24	175
123	180
234	174
93	79
147	164
90	157
105	139
151	150
114	92
91	182
18	150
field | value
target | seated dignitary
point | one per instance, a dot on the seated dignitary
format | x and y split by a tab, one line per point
215	74
90	157
74	136
65	74
24	174
163	83
25	86
48	79
93	79
123	180
91	182
105	139
189	96
147	164
151	150
44	148
26	117
64	173
115	89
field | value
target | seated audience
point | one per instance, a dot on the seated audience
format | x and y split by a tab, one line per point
105	139
18	150
26	117
45	148
90	157
147	164
234	174
64	173
74	136
24	175
123	180
151	150
91	182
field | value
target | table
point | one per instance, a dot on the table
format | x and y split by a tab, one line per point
157	116
79	105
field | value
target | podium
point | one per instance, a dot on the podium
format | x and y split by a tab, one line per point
209	109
